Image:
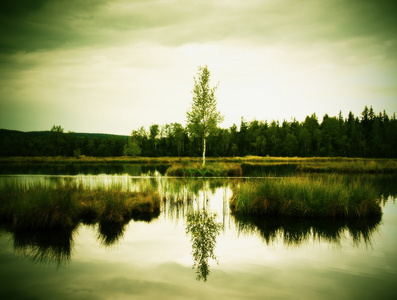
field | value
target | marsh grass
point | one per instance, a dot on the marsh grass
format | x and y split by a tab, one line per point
350	166
190	166
329	196
209	170
66	204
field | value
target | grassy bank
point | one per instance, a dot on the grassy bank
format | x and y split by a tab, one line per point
330	196
209	170
351	166
184	166
169	159
334	165
65	205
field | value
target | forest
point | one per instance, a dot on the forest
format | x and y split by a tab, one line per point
367	135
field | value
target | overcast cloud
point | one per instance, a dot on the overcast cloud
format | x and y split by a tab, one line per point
113	66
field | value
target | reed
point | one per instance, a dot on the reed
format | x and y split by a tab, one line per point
351	166
209	170
330	196
66	204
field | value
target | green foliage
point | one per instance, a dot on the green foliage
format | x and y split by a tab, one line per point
77	153
366	136
203	116
57	129
132	148
330	196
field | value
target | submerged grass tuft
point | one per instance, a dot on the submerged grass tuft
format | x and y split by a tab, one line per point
330	196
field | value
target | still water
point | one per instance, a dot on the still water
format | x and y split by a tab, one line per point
236	258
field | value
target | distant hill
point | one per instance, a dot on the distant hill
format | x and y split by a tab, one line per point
99	135
50	143
47	132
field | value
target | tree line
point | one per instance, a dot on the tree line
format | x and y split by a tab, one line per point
367	135
57	143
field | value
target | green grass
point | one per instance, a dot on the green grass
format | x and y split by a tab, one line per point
65	205
304	164
330	196
209	170
351	166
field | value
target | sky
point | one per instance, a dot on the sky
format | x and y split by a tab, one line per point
112	66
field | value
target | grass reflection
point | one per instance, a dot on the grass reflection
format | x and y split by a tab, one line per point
43	217
109	233
295	231
192	201
45	246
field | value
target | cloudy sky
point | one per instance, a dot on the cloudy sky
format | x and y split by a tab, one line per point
114	65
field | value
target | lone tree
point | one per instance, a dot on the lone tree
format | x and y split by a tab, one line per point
203	117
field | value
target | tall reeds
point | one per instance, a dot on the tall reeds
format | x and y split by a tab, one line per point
65	205
330	196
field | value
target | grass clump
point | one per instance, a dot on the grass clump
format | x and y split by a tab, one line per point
331	196
209	170
65	205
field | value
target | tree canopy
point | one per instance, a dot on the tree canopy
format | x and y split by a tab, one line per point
366	135
203	116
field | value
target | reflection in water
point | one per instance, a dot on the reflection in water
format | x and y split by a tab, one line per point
268	169
109	233
295	231
193	201
183	196
56	246
203	230
190	199
45	246
85	169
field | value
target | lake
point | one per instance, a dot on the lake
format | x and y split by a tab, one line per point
197	249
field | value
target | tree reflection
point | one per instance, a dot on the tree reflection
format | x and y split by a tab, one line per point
203	230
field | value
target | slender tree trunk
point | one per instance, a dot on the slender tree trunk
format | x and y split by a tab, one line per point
203	152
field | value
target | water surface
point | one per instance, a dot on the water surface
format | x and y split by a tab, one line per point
175	256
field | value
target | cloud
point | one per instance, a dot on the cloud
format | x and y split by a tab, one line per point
37	25
77	61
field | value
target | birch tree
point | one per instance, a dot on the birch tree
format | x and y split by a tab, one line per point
203	116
